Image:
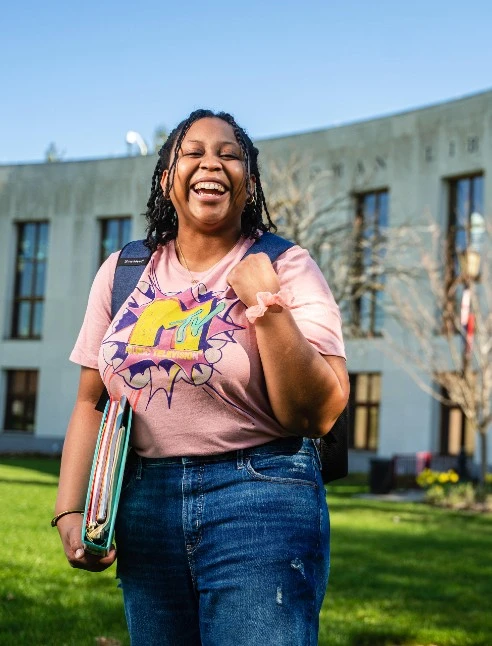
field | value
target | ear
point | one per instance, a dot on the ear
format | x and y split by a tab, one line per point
252	185
164	182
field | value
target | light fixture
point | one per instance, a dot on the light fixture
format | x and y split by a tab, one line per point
133	137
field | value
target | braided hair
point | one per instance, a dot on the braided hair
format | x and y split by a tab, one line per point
162	219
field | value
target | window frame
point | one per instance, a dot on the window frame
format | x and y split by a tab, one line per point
104	222
32	299
359	266
452	273
368	404
467	434
28	395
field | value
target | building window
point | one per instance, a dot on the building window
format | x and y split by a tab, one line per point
115	233
368	285
456	431
31	262
20	407
465	199
364	403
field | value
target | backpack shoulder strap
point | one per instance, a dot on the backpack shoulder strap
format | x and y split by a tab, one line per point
333	447
271	244
131	262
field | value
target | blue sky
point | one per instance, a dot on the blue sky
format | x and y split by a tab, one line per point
83	74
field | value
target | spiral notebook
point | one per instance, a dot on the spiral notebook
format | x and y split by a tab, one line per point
106	477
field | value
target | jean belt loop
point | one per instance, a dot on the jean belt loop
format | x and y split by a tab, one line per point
138	475
240	459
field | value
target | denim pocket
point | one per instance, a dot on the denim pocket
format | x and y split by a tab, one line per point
298	468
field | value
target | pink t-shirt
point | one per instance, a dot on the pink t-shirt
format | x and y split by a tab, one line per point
186	357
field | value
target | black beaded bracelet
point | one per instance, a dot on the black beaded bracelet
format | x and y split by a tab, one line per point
54	521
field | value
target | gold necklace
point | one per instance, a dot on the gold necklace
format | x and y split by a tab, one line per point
194	281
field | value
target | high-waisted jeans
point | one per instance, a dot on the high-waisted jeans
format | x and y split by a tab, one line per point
224	550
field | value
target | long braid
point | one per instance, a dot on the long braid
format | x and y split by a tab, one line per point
162	220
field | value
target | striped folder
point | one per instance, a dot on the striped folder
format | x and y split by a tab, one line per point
108	467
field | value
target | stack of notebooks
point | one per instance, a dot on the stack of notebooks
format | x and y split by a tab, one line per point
106	477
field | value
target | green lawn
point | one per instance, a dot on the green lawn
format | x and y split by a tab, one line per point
401	573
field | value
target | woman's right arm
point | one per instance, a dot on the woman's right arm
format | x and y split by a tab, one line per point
77	456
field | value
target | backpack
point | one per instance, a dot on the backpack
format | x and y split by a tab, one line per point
332	447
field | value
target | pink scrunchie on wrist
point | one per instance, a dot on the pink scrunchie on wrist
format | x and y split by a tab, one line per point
283	298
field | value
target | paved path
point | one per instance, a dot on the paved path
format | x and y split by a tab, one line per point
412	495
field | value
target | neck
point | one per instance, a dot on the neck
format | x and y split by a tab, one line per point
203	251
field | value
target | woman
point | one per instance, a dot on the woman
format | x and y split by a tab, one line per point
222	530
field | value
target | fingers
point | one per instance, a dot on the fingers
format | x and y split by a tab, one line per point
253	274
77	556
92	562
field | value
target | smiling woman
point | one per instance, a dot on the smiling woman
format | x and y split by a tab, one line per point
208	183
233	365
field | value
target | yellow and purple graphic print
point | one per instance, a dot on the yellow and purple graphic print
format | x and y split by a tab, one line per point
163	338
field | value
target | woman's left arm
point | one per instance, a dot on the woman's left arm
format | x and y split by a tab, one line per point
307	391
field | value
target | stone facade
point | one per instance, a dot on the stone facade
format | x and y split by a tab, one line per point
412	155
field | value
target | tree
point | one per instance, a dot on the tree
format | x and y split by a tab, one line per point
53	154
447	318
353	255
160	136
411	265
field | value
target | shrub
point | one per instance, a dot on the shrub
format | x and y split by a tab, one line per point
443	488
427	478
462	495
435	495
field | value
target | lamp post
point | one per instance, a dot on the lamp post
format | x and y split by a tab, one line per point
470	270
133	137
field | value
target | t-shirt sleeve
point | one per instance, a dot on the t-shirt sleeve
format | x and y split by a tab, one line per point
97	316
314	308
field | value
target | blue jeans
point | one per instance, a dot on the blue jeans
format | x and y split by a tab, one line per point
225	549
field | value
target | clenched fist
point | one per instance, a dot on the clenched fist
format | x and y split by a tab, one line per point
253	274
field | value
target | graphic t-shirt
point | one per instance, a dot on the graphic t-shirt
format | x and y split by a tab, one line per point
186	356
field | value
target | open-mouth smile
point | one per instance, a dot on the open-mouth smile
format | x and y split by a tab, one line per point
209	190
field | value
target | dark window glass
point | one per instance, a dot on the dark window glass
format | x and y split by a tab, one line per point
20	406
40	279
37	319
115	233
456	431
30	280
26	268
364	402
466	198
371	222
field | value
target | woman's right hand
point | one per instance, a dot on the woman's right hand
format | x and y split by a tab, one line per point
70	530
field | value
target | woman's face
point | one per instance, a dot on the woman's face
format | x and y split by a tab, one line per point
209	187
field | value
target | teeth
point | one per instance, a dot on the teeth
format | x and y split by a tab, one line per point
210	186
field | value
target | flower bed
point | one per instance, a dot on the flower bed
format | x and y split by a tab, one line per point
444	489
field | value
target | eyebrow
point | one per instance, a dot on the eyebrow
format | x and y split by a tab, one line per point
221	143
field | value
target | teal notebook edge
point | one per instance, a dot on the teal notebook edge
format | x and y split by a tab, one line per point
102	548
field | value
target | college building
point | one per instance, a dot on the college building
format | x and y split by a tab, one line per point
59	221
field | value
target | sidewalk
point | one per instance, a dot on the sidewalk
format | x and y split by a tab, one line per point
409	495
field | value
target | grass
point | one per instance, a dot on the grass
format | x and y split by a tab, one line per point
402	574
406	574
42	600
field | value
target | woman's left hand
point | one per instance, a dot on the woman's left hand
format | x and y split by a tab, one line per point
253	274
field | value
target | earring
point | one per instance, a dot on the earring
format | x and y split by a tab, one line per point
252	198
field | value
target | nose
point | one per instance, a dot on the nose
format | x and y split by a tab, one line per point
210	161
